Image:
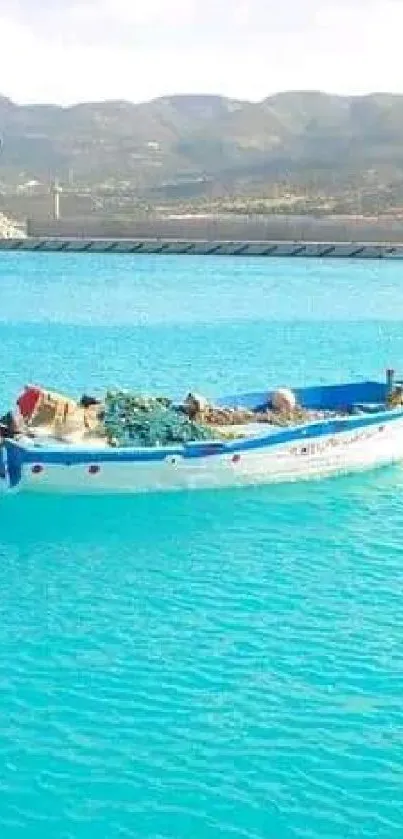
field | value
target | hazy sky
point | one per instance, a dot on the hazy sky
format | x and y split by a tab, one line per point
74	50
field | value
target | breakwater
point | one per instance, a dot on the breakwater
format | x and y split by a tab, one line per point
321	250
223	228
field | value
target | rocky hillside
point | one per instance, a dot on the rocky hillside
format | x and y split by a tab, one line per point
188	141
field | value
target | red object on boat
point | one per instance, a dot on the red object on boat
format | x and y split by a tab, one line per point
28	401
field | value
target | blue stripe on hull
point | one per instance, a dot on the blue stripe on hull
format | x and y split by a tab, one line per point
18	454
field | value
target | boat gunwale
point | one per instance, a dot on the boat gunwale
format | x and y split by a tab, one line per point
71	454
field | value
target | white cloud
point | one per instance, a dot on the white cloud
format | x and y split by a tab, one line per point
123	49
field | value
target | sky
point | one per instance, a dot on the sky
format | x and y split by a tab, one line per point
67	51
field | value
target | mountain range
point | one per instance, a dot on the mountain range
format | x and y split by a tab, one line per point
185	142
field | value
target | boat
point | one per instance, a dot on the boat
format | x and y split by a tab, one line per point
347	427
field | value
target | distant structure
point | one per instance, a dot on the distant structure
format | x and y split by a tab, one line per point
55	191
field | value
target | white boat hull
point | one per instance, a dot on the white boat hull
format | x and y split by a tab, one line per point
325	455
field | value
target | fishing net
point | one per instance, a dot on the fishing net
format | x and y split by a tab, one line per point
132	420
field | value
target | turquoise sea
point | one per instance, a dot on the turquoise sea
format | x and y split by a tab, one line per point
203	665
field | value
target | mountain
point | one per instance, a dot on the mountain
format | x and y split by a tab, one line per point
175	142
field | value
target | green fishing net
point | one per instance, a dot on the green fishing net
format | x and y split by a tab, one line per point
133	420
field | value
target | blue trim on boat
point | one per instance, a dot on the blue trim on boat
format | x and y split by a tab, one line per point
18	454
15	459
330	397
320	429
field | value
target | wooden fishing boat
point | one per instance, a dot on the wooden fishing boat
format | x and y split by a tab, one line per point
360	426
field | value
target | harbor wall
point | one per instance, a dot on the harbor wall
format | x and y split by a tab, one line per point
322	250
220	228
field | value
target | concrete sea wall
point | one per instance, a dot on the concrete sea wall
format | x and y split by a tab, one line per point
321	250
263	236
224	228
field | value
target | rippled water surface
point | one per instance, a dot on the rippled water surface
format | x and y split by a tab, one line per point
201	665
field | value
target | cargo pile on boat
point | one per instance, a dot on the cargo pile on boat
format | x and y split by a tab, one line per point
132	420
129	419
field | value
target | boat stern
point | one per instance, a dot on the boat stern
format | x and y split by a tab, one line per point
11	465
